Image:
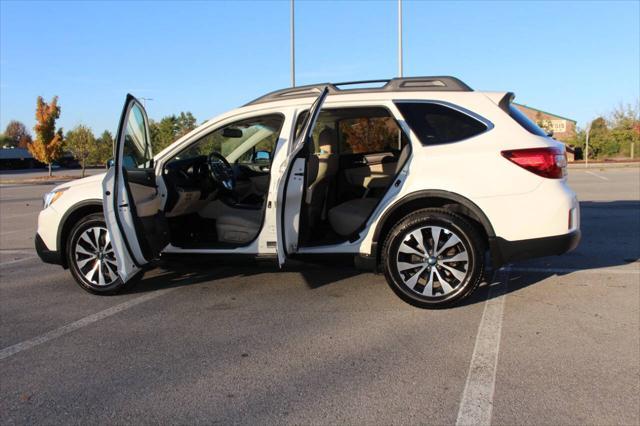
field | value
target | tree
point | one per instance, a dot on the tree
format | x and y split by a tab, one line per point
186	123
169	129
47	147
17	134
5	140
625	128
103	149
600	142
81	143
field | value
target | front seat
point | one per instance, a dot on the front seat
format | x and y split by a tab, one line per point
321	168
236	225
347	217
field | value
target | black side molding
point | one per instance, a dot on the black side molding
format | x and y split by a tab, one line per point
46	255
504	251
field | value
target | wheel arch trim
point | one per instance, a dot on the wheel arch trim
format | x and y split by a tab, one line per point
61	237
425	195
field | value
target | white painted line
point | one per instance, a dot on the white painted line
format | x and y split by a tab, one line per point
477	398
66	329
13	216
597	175
578	271
12	232
11	262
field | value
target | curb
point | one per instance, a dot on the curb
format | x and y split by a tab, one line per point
605	165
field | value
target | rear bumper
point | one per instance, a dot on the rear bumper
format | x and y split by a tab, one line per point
47	256
504	251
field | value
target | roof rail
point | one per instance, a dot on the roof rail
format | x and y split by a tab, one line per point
408	84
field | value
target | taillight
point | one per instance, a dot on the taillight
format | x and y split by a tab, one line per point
546	162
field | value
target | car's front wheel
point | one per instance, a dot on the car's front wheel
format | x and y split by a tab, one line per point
90	256
433	258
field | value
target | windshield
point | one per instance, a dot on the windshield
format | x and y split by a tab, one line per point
238	141
525	122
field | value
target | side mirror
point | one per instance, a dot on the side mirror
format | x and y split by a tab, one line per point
110	163
261	157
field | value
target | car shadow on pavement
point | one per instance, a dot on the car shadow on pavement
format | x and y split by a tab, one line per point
178	272
610	238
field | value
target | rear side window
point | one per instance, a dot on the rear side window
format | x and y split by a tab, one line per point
525	122
436	124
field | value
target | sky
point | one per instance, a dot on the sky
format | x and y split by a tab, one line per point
576	59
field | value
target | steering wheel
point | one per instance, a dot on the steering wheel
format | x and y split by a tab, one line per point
221	171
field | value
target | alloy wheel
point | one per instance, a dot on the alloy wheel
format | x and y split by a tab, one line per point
95	258
432	261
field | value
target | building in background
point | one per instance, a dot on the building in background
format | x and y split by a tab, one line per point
563	128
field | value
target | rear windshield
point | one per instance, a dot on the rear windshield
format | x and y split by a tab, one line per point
525	122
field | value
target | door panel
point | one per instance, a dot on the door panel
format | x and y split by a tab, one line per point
145	199
130	200
291	185
145	177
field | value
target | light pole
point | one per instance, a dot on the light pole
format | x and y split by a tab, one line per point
399	38
144	103
293	46
586	156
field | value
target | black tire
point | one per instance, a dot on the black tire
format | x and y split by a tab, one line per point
470	245
95	220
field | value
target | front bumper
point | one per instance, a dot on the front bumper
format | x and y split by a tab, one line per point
504	251
47	256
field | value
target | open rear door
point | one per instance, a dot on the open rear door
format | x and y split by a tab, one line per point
130	196
291	185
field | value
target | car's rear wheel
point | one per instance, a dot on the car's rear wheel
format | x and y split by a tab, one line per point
90	256
433	258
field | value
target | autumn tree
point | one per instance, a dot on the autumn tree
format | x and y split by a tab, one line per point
81	143
17	134
47	147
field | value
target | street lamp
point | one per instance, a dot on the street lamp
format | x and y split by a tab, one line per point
144	103
586	156
399	38
293	47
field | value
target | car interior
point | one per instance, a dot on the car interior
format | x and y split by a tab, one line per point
217	187
354	157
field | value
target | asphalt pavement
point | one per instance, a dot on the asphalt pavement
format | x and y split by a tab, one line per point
548	341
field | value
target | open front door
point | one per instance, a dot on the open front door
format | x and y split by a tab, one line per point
130	195
291	185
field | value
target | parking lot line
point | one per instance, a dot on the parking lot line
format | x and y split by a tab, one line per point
83	322
10	262
597	175
575	270
477	398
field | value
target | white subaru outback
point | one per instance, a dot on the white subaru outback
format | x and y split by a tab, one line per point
422	178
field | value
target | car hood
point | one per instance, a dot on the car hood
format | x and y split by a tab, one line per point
89	180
